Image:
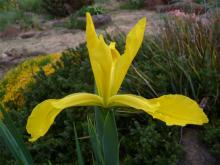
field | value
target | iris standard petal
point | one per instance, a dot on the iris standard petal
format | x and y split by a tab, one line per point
134	101
44	114
178	110
100	58
133	42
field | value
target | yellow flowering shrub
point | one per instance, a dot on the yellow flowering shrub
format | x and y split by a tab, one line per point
18	78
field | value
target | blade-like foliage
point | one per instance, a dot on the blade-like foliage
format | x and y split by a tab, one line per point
13	140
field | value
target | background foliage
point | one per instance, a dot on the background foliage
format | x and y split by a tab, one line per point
69	77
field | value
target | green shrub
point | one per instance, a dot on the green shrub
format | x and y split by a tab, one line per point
8	17
21	5
211	136
93	10
20	18
30	5
64	7
149	142
15	12
133	4
7	5
75	22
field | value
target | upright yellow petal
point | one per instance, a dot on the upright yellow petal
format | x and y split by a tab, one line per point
134	101
179	110
100	58
44	114
133	42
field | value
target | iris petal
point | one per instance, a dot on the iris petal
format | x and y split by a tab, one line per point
134	101
178	110
100	58
133	42
172	109
44	114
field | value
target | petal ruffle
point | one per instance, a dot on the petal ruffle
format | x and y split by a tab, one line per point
133	101
179	110
44	114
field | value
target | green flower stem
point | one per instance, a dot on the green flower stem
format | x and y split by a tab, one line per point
106	131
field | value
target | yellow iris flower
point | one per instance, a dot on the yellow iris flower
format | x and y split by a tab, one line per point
110	68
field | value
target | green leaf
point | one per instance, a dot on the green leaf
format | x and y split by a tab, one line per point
78	150
110	140
14	141
96	143
100	115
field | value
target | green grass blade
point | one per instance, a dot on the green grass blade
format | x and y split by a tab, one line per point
10	142
78	149
96	143
13	140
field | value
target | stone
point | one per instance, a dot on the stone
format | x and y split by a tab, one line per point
99	20
12	54
28	35
15	55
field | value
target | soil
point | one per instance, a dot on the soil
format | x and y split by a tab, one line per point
53	40
57	40
195	152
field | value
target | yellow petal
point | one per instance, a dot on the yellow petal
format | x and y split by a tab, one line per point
115	54
100	58
133	101
133	42
178	110
43	115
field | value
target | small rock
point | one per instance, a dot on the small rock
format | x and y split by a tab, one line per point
99	20
12	54
43	33
16	55
27	35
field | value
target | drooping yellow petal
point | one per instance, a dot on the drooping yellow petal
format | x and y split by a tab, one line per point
134	101
44	114
133	42
100	58
179	110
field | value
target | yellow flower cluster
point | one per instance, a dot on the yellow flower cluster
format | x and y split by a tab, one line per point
17	79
